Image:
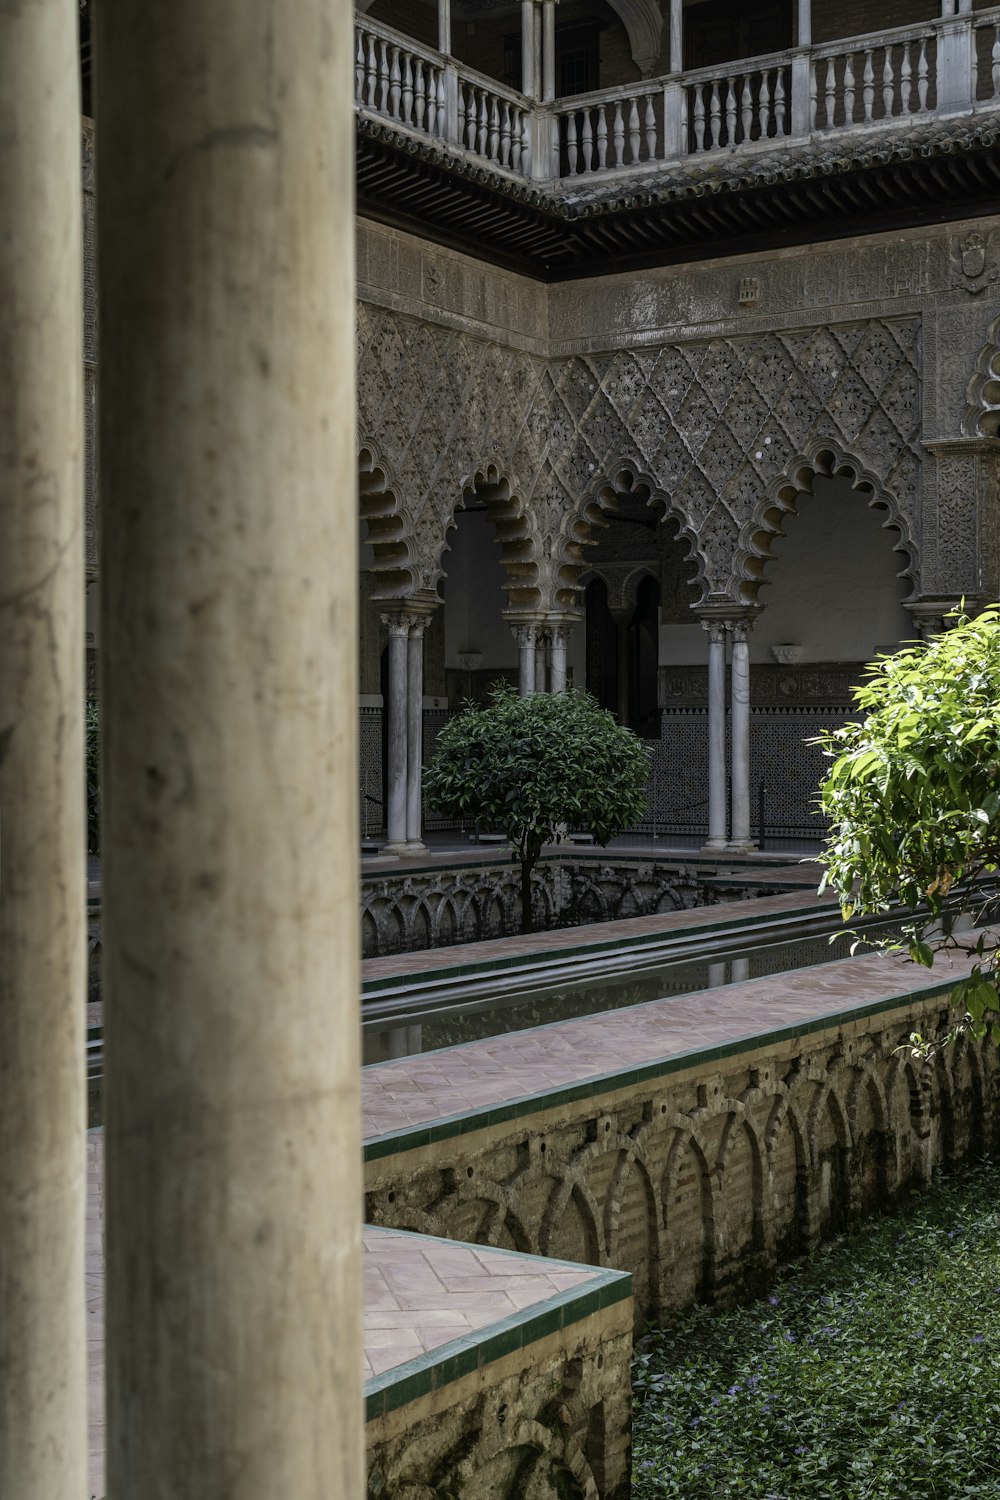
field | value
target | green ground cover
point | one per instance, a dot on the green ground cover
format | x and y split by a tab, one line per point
872	1370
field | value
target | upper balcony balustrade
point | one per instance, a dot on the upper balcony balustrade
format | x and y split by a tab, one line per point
885	80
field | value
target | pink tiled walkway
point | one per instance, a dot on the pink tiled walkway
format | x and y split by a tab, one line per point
414	1091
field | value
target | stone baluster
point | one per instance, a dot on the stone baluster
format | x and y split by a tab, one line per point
398	626
229	659
524	635
43	1412
415	737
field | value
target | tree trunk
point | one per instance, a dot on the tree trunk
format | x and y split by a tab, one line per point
528	862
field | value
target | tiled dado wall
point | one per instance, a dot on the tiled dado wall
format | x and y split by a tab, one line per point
699	1175
677	799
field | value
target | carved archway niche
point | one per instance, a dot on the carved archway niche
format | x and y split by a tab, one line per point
629	495
754	547
487	490
380	510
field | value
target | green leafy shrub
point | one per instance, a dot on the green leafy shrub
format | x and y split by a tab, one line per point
868	1374
914	794
530	767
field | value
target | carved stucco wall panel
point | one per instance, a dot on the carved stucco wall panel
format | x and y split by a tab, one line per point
715	427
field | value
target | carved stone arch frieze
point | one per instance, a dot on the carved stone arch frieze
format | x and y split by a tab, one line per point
582	524
982	394
388	525
489	482
752	549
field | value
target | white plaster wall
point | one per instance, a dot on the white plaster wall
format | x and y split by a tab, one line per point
830	588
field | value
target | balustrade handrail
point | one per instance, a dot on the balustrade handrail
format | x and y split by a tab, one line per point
400	39
766	63
607	96
442	60
874	40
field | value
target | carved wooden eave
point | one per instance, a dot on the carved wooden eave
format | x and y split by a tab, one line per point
866	181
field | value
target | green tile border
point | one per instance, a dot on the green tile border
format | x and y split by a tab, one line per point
459	1357
393	1143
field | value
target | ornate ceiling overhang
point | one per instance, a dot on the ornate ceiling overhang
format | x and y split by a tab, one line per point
865	182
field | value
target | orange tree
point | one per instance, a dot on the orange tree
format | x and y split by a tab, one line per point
531	767
914	799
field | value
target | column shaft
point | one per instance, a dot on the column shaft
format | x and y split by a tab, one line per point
396	735
525	637
444	27
716	735
621	618
805	23
740	732
549	51
528	48
559	636
415	736
43	1414
230	658
676	36
541	663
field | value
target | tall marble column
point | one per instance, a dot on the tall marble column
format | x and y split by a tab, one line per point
676	36
622	619
43	1415
415	737
525	637
225	252
559	639
548	51
740	734
397	711
541	660
717	811
528	48
444	27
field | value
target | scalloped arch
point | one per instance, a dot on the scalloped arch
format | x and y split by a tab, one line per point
826	460
982	393
582	525
388	525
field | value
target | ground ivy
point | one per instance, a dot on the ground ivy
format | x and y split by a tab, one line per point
868	1373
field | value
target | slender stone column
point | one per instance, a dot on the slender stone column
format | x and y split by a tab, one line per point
444	27
717	819
415	736
548	50
230	936
541	661
43	1414
398	627
676	36
525	637
740	732
718	974
528	48
740	970
622	618
805	23
559	637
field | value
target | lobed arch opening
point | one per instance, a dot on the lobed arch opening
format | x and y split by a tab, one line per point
755	546
627	495
487	492
383	527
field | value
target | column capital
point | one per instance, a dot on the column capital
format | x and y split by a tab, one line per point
740	629
397	624
716	631
525	633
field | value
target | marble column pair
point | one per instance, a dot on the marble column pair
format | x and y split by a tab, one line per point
541	657
229	778
405	709
723	833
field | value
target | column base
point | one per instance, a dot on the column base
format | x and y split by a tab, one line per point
395	846
744	846
414	846
717	845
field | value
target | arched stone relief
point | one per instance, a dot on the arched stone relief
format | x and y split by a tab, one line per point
710	426
982	411
753	546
